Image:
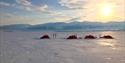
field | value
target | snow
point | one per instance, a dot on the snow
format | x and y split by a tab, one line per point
26	47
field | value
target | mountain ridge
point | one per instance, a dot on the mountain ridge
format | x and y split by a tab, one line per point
62	26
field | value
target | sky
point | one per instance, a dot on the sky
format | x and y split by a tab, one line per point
45	11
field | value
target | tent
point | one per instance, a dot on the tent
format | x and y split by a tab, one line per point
107	37
72	37
45	37
90	37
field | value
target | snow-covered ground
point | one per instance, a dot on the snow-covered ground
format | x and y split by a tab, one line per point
26	47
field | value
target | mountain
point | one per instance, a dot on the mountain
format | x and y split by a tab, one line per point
72	26
15	27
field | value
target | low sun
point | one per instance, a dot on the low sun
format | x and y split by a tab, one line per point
106	10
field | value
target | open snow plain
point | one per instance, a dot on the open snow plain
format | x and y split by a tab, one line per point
26	47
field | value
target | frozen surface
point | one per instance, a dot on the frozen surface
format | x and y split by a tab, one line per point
26	47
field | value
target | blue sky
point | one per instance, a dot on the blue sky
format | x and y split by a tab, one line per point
44	11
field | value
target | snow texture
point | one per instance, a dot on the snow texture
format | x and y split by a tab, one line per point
26	47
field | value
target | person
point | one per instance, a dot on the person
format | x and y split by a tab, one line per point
54	35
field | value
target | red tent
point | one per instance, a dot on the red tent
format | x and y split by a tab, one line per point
90	37
107	37
45	37
72	37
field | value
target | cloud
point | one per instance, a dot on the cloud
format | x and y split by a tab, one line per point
24	2
62	18
11	18
73	4
41	8
27	5
5	15
5	4
42	12
88	10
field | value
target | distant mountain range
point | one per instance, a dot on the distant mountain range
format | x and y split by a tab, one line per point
61	26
